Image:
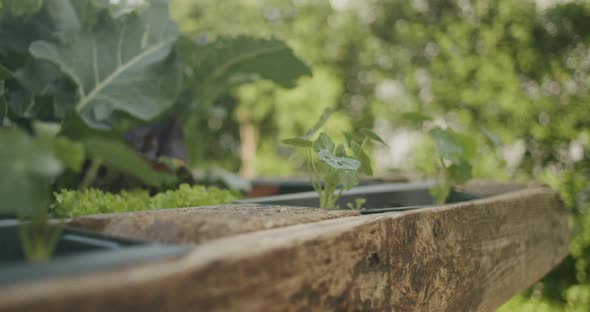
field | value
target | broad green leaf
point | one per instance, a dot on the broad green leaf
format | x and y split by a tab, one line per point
64	17
38	93
37	77
372	136
321	122
219	65
69	152
27	171
118	9
351	137
301	142
117	155
323	142
340	163
453	146
460	172
445	144
468	145
348	178
119	66
18	32
365	160
76	129
45	165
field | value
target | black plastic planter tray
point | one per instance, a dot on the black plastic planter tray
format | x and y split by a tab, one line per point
77	252
379	197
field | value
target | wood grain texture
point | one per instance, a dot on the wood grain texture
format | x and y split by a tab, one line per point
471	256
201	224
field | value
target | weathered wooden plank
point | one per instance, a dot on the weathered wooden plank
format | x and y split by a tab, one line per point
202	224
466	257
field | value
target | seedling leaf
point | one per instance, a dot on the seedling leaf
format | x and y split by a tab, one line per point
460	172
351	137
347	178
323	142
69	152
341	163
372	135
453	146
358	152
321	122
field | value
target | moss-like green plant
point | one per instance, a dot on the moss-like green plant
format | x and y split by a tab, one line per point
70	203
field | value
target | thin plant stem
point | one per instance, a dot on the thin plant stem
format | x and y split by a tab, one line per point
312	172
445	187
38	237
339	195
91	173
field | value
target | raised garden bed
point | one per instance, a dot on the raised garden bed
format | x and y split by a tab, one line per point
472	255
77	252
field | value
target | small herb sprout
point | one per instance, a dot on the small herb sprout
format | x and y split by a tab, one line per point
358	204
454	152
334	168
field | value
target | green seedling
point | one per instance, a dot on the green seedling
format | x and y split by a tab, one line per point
454	154
38	237
359	204
453	151
336	165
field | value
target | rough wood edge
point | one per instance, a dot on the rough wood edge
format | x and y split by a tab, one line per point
201	224
464	257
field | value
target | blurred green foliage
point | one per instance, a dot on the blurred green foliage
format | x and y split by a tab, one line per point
96	93
515	74
92	93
